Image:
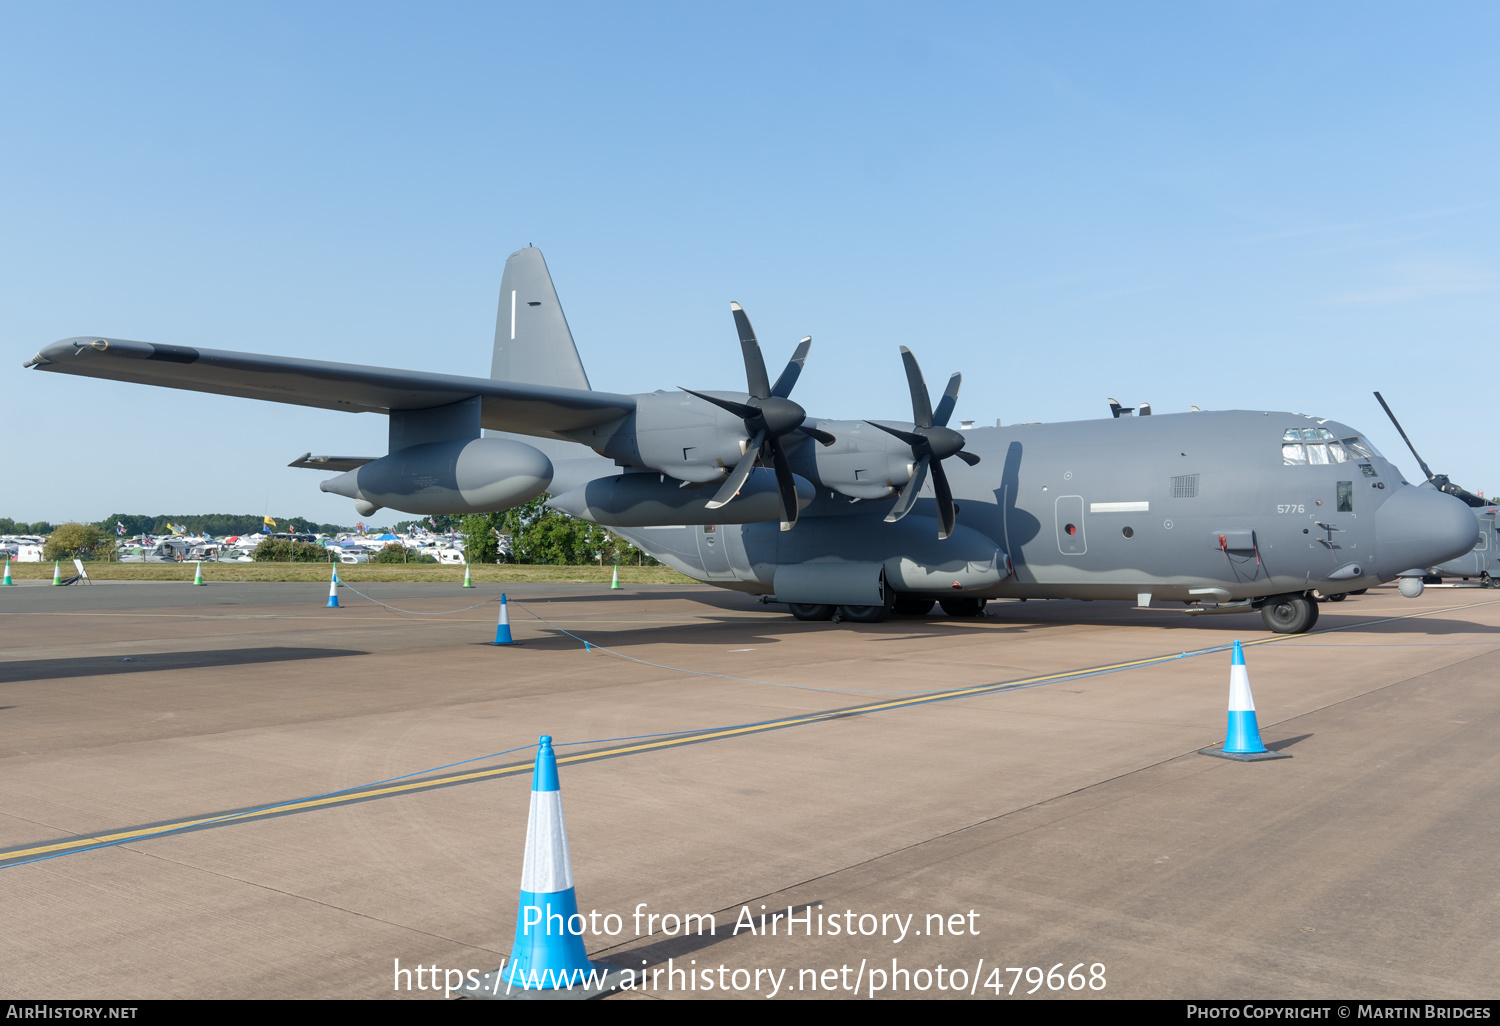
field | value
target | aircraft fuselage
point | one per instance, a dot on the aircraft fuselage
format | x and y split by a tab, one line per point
1200	507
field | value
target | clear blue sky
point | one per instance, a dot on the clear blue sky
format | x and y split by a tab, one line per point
1232	205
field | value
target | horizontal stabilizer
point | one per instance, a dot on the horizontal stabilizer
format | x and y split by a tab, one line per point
307	461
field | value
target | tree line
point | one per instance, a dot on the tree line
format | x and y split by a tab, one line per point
532	534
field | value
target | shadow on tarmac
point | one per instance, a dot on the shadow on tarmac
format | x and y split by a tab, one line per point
98	666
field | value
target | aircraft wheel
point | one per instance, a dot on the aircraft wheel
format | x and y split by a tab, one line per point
1289	614
805	611
1339	597
863	614
1360	591
963	606
913	605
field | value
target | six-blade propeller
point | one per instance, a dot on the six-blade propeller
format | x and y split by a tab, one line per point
768	416
931	441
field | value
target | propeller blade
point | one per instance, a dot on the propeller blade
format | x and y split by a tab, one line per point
968	457
786	485
755	364
1425	469
914	440
783	386
822	436
731	487
945	405
921	405
908	497
738	409
947	515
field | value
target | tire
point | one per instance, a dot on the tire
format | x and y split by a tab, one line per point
1360	591
1289	614
965	607
913	605
811	612
863	614
1339	597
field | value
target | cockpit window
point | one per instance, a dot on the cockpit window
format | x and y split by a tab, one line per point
1320	446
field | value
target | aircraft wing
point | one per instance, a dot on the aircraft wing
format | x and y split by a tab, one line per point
507	405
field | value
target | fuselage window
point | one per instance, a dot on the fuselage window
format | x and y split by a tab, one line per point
1346	496
1293	455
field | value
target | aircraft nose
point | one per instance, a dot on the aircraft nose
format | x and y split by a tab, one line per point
1419	528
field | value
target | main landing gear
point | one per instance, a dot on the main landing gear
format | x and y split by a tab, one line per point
1289	614
853	614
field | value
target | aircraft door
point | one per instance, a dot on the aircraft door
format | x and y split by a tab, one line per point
1070	537
713	550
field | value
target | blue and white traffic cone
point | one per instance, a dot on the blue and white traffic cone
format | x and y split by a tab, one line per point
1242	739
502	629
548	952
333	591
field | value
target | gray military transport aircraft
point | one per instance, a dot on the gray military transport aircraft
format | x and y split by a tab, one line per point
1221	511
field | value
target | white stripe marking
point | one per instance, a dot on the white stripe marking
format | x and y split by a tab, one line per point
1119	507
512	315
1239	690
547	867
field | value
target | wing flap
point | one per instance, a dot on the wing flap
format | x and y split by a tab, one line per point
307	461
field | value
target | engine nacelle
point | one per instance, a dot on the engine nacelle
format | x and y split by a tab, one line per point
864	462
482	475
645	500
675	433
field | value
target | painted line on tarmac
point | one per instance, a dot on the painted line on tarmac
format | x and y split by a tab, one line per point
36	853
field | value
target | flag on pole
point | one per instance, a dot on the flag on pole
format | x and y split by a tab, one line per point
268	522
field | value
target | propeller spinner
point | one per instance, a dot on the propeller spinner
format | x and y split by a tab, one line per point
768	416
931	441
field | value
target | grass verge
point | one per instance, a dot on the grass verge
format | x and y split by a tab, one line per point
354	573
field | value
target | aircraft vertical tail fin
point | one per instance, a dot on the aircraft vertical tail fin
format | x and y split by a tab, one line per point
533	345
532	341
